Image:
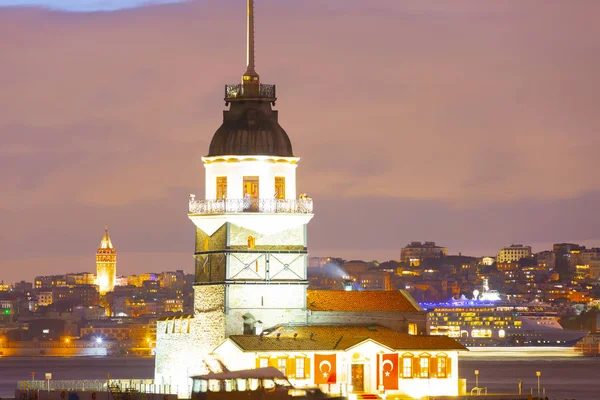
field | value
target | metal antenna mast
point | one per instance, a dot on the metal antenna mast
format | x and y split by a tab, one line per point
250	40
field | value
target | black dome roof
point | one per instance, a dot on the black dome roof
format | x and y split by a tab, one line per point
250	128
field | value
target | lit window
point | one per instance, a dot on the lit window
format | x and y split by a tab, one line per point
300	368
442	361
221	187
407	362
251	187
412	329
205	244
251	242
424	366
263	362
282	365
501	333
280	187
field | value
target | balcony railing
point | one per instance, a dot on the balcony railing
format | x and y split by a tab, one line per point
222	206
236	91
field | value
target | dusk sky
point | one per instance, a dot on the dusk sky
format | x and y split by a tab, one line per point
474	124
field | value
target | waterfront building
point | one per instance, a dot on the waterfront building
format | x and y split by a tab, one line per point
415	252
513	253
251	275
141	332
106	264
351	358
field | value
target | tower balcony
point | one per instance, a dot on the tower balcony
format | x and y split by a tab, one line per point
250	205
236	91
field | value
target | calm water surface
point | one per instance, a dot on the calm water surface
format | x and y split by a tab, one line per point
563	377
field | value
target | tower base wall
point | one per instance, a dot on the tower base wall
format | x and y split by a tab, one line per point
184	344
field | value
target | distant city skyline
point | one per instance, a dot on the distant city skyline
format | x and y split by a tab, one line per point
470	124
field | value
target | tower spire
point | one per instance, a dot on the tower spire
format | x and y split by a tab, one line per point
250	39
106	243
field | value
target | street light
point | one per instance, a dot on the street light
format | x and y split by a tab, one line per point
538	374
476	378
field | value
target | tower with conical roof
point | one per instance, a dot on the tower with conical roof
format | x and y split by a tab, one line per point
106	264
251	232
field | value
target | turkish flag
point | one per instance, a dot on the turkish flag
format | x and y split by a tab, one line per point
325	368
389	371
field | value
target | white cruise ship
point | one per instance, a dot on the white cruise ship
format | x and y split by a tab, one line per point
488	321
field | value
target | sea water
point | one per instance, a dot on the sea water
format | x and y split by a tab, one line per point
561	377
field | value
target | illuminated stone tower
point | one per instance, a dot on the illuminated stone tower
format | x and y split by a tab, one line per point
106	264
251	226
251	232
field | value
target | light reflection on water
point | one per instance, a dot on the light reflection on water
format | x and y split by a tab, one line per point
14	369
563	377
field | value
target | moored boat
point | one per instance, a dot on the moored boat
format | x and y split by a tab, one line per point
259	384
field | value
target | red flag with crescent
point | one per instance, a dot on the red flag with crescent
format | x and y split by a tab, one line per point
325	368
389	371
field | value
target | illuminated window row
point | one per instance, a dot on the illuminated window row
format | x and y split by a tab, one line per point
250	187
293	367
426	366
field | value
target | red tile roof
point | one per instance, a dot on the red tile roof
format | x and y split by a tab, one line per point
360	300
339	337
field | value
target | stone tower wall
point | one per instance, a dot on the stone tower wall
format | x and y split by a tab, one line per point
183	344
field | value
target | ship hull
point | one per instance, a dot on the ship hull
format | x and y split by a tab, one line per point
501	325
562	339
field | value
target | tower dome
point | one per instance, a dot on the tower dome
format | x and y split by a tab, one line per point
250	128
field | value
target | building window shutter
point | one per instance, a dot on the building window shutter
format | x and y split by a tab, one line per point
307	368
448	367
433	367
290	368
416	367
273	362
257	362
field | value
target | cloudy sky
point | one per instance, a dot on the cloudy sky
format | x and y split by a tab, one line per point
474	124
